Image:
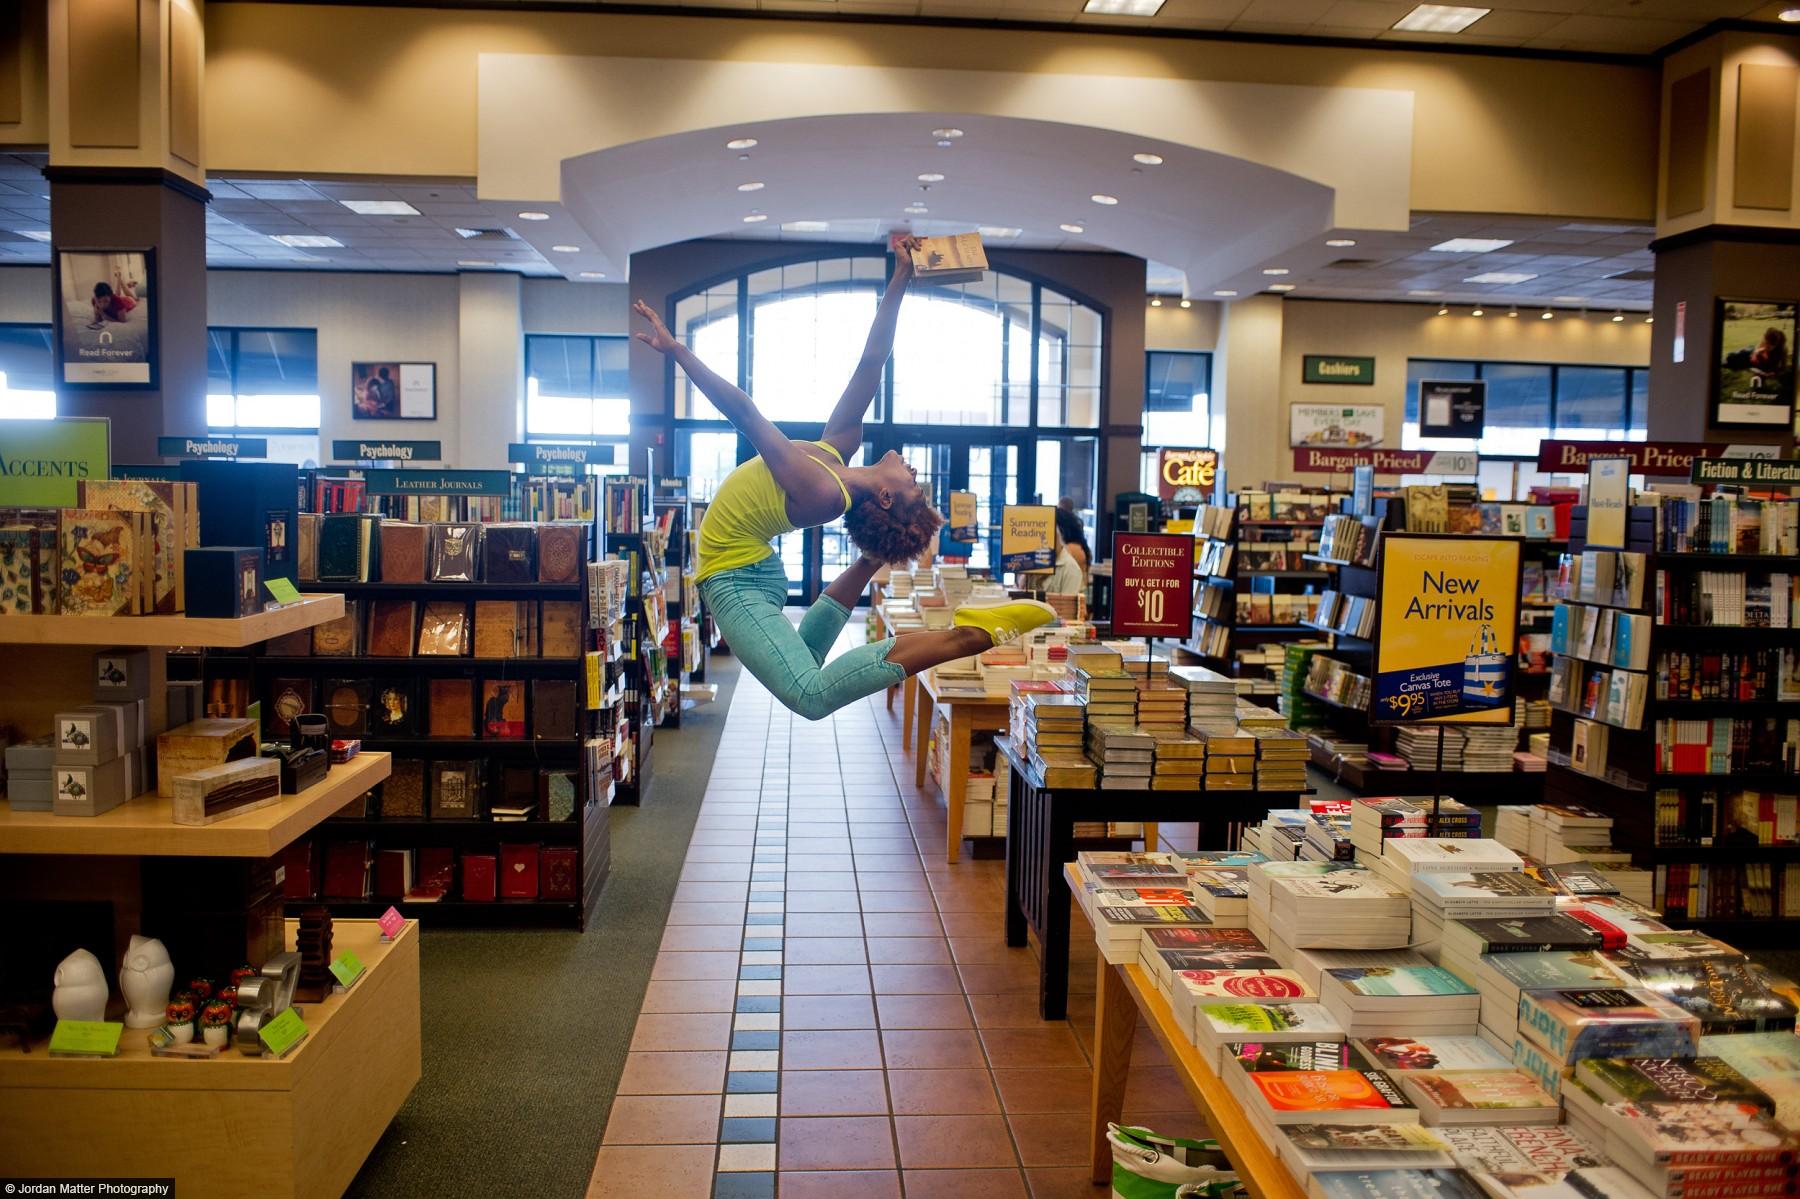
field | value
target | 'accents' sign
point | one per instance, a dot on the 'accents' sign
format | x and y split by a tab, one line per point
541	453
213	447
387	451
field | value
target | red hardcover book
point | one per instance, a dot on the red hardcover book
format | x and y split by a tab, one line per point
300	862
561	878
478	877
518	872
393	873
436	875
347	870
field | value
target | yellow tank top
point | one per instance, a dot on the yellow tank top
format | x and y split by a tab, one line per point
747	513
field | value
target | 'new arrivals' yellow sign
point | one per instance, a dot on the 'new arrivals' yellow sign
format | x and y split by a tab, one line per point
1449	629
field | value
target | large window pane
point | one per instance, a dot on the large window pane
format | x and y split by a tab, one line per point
947	363
265	380
1591	402
803	350
1177	407
277	362
710	457
27	373
1640	405
561	367
1518	408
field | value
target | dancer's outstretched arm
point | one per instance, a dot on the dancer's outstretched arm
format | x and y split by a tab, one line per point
808	486
845	428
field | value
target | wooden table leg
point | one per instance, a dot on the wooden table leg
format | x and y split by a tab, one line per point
1152	837
956	782
909	692
921	737
1115	1023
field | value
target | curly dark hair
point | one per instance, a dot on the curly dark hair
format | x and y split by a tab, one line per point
898	533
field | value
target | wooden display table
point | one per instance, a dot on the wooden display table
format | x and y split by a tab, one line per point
292	1128
968	715
1122	993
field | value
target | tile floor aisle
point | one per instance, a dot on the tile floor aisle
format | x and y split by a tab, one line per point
835	1012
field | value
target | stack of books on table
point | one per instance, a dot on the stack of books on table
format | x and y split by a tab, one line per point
1445	901
1501	1096
1352	909
1512	827
1559	1028
1281	756
1179	763
1503	977
1583	880
1404	1054
1329	1089
1109	694
1188	989
1771	1060
1146	669
1566	833
1053	730
1327	838
1375	819
1163	952
1489	748
1018	695
1223	895
1125	894
1280	834
1161	708
1386	1001
1124	754
1230	757
1095	656
1211	697
1340	752
1403	857
1223	1022
1418	744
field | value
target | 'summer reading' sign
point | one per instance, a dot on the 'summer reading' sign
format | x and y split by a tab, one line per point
1153	584
1027	537
1449	617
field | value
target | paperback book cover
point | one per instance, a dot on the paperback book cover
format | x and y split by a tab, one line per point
1395	1184
1433	1053
1559	969
1540	1154
1203	938
1399	980
1679	1134
1314	1147
1724	994
1242	984
1302	1096
1670	1080
1251	1020
1606	1022
1254	1056
1463	1096
1527	934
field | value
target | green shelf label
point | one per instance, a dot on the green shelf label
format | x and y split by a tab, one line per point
346	969
283	1032
99	1038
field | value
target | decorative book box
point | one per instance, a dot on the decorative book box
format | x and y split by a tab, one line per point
221	792
199	744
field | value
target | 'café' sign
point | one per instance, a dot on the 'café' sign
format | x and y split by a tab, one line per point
1186	474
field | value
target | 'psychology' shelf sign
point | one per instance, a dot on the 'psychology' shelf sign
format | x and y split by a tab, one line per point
1449	628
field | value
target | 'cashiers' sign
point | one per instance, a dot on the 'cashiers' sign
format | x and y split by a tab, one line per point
1189	471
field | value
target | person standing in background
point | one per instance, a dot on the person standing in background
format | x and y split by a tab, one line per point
1069	528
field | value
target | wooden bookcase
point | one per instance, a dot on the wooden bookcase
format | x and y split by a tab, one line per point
1242	579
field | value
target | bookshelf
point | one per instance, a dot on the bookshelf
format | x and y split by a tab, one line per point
681	639
632	537
1252	581
1693	750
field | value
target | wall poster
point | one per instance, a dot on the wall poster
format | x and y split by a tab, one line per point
1755	383
393	390
1337	426
106	310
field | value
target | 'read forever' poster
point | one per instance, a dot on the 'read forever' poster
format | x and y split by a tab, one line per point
1449	629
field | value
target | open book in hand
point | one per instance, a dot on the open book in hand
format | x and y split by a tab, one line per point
956	258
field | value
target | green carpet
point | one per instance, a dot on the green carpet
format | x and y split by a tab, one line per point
525	1032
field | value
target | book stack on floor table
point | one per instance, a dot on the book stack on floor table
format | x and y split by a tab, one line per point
1531	1044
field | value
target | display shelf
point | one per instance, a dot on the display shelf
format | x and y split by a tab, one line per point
297	1127
144	827
1771	562
455	913
1325	628
434	832
562	590
1282	574
1662	854
496	667
479	746
169	631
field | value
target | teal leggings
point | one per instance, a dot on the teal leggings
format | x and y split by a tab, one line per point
747	604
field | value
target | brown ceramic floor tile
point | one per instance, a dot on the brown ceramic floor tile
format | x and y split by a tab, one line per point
834	1093
663	1120
909	951
1017	1009
888	900
931	1049
964	1184
713	995
839	1184
668	1172
825	980
915	980
1045	1092
819	1049
922	1011
1064	1182
902	924
823	924
837	1143
827	1011
1044	1047
972	924
1019	975
695	1030
988	950
1185	1122
1155	1088
823	951
941	1092
1051	1140
953	1142
685	1073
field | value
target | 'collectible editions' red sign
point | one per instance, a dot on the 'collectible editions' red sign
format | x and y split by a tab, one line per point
1153	584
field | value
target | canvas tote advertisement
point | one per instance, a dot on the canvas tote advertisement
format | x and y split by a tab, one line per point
1449	617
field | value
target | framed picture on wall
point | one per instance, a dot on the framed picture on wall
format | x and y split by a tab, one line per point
106	308
1754	386
393	390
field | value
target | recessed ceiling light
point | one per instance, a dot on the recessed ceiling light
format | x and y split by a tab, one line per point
1072	228
593	274
1226	293
1101	198
1123	8
34	234
1514	312
1340	243
1547	315
1275	270
566	249
945	143
1156	301
755	217
1426	291
750	187
380	207
998	232
1283	286
1649	320
306	241
807	226
1444	311
1149	160
1187	303
1471	245
534	216
931	177
1569	299
917	209
1440	18
475	262
946	134
1500	277
1476	312
1790	14
1619	317
740	143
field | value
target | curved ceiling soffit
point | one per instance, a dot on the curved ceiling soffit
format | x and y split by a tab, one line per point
1208	213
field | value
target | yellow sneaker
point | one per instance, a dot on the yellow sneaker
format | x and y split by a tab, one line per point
1006	621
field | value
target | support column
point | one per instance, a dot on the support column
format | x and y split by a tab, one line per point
1728	220
127	173
1247	384
490	357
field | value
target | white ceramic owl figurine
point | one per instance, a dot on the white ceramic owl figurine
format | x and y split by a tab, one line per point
81	990
145	979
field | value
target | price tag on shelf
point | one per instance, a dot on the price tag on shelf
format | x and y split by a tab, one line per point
283	590
283	1032
391	922
86	1038
346	969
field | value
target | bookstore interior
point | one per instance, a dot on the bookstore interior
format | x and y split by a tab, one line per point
487	709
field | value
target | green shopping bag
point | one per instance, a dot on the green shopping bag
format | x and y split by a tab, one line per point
1149	1166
